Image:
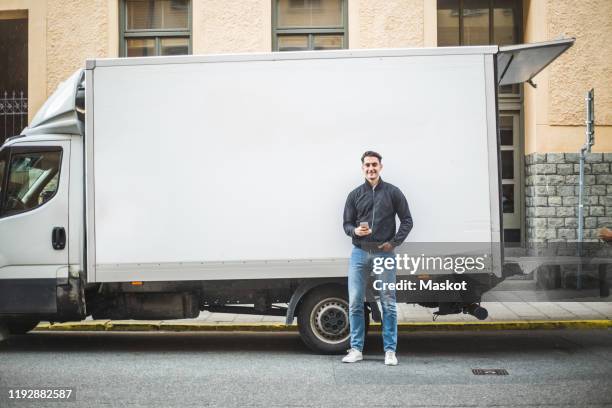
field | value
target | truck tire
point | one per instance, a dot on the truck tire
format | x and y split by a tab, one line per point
21	326
323	320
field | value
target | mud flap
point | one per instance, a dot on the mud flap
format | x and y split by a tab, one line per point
71	300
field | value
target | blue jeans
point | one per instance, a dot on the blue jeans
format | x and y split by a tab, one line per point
360	266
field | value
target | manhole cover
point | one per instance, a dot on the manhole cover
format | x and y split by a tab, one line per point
489	371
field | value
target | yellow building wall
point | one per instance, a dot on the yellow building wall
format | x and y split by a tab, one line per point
231	26
76	30
555	111
61	35
386	24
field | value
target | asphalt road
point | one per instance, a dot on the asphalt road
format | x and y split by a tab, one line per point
546	368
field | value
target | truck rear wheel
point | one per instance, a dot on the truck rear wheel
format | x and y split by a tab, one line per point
323	320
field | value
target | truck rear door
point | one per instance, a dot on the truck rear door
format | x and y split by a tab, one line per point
520	63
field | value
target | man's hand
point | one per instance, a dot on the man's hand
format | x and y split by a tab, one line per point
362	231
386	247
605	234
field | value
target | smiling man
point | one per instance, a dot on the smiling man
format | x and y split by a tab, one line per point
369	219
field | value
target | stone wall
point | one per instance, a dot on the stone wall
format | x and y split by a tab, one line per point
551	196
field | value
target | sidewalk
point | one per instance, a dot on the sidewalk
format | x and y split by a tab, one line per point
502	316
498	311
512	300
514	304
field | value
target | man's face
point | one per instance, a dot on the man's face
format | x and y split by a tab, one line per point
371	168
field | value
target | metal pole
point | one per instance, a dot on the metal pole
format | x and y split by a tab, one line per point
20	111
589	133
13	115
5	111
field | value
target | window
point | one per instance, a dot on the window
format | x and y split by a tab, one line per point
300	25
33	179
155	27
510	174
479	22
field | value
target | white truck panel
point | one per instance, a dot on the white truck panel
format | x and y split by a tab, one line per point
235	163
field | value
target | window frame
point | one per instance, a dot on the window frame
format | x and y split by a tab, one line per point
156	34
19	150
518	32
309	31
4	153
518	18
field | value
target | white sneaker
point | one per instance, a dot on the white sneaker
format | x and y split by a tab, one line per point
390	358
353	356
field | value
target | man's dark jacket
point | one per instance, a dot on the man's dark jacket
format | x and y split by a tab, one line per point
377	206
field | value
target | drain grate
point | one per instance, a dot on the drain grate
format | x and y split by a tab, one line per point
489	371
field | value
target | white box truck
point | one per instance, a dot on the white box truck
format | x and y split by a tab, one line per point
155	188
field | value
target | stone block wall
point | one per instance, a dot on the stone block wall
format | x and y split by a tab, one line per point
551	196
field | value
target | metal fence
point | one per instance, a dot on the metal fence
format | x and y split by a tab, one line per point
13	114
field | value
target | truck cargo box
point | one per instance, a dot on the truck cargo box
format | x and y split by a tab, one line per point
226	167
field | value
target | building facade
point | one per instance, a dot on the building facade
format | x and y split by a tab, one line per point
541	128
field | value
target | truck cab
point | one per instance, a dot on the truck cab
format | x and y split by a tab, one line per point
41	215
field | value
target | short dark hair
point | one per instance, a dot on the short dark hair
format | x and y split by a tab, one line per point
371	153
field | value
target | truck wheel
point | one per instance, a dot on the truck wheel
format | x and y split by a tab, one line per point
21	326
323	320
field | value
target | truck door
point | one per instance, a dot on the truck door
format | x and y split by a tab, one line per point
520	63
33	225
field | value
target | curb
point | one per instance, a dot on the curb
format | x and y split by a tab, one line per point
146	326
